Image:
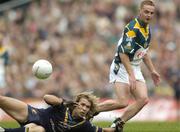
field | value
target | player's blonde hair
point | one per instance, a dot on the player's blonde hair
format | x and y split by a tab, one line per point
147	2
92	99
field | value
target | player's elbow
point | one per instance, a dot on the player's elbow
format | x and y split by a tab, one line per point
52	100
46	97
3	99
123	104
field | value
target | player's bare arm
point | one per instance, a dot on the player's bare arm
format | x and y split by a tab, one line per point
148	62
155	75
126	62
52	99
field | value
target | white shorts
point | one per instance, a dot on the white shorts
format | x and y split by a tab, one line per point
122	75
2	81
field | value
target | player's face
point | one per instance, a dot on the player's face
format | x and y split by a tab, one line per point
147	13
82	108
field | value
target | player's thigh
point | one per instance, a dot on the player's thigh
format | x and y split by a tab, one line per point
121	82
34	128
141	91
15	108
122	91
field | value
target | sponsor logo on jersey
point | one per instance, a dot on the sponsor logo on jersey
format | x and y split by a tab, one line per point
128	46
145	45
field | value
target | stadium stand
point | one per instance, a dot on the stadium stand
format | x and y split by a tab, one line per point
79	38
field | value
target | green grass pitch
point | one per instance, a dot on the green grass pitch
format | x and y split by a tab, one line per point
129	127
148	126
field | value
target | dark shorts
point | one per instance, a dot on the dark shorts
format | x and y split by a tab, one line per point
34	116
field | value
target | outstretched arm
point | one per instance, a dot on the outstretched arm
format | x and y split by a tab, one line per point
52	100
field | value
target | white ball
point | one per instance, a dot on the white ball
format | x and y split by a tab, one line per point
42	69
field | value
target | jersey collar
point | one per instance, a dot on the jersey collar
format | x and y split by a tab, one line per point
143	24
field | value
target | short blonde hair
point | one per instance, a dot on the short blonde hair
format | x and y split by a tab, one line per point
92	99
147	2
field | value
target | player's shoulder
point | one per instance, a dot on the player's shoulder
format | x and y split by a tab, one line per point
131	24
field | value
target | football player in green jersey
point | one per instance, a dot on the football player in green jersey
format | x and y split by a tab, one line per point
125	71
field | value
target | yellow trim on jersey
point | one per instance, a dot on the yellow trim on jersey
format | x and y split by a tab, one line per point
145	32
73	125
66	120
131	34
27	129
78	123
2	49
66	116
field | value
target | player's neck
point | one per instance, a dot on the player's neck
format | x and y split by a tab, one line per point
75	116
141	22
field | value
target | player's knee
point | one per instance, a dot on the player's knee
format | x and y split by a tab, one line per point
30	125
34	128
122	102
144	100
39	129
3	100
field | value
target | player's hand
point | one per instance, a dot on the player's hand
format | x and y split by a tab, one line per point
155	77
118	125
132	82
70	103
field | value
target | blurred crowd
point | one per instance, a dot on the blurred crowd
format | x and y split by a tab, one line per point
79	38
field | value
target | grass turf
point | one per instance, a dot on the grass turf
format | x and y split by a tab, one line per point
129	127
147	126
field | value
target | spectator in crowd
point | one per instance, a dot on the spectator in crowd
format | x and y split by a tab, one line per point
47	29
4	60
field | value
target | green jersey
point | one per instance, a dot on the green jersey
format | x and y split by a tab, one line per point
134	42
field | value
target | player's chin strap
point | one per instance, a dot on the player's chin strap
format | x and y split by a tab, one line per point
118	124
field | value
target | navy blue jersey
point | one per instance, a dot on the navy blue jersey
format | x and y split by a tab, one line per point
59	119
